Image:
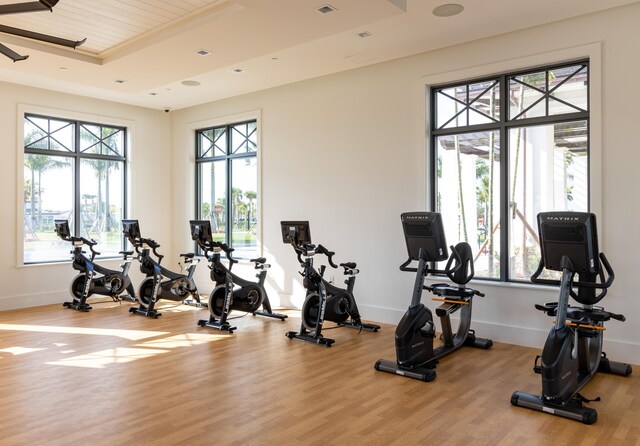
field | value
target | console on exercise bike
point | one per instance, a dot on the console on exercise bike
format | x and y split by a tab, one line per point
111	283
573	352
415	355
323	301
178	287
231	291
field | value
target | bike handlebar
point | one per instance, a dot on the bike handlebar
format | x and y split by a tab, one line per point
454	256
322	250
310	249
603	285
90	243
211	247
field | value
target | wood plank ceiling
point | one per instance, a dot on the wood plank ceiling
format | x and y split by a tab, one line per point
109	23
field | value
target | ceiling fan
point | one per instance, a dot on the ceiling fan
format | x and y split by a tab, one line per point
40	5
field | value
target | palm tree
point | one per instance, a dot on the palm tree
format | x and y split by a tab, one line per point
250	195
39	164
103	218
236	200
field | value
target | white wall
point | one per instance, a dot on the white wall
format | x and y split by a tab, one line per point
149	196
347	152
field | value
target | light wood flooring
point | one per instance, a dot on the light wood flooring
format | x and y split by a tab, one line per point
111	378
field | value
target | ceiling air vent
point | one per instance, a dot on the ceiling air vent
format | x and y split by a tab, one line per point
326	9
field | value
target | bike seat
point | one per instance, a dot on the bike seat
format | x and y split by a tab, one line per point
551	308
126	253
258	260
350	265
444	289
596	315
188	255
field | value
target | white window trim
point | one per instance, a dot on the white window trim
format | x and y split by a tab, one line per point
190	143
25	109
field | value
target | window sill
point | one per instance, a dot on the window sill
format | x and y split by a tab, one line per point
65	262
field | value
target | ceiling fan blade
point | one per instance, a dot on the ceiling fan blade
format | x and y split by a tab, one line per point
41	37
11	54
16	8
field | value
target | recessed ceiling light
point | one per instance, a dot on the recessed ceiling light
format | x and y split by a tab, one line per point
326	9
203	52
119	81
448	10
365	34
189	83
238	70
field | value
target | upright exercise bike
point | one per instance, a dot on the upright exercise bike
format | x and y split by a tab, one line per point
324	301
416	357
110	283
231	292
177	287
573	352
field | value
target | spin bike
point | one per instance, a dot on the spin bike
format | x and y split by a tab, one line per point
111	283
415	356
324	301
178	287
231	292
573	352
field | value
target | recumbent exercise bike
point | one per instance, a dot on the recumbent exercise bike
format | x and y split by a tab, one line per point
231	292
324	301
112	283
415	334
573	352
178	287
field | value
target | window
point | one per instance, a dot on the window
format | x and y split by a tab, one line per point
227	166
504	149
74	171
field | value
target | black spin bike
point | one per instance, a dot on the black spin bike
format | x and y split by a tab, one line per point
231	292
177	287
93	278
324	301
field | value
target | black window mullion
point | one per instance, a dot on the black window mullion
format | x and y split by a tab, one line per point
229	200
198	191
504	184
546	93
76	186
432	156
467	129
125	213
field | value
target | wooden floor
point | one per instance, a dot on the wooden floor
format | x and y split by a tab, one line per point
108	377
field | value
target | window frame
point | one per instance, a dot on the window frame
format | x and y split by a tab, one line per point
76	155
228	159
504	124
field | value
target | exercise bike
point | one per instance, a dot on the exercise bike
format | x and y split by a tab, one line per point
415	356
178	287
111	283
231	292
573	352
324	301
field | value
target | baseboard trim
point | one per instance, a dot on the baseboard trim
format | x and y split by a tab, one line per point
33	300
